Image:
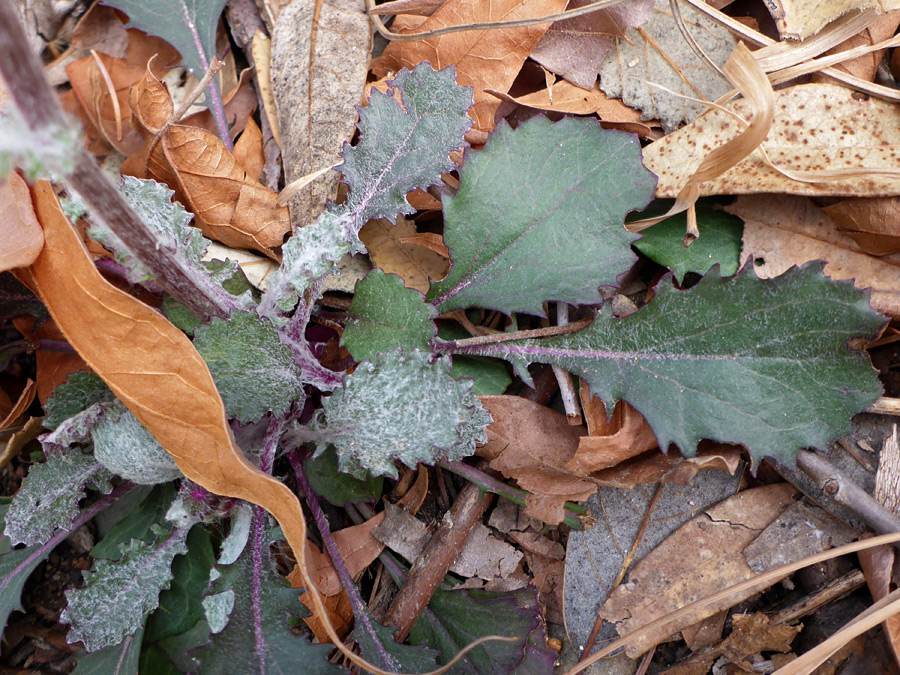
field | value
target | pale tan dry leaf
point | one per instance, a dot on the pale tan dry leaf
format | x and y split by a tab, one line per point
390	249
21	237
532	444
872	222
575	48
799	19
847	140
154	369
865	67
667	579
230	206
877	565
320	56
261	48
483	59
787	231
13	412
101	28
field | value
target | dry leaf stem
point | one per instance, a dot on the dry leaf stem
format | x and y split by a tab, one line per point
39	107
431	566
842	489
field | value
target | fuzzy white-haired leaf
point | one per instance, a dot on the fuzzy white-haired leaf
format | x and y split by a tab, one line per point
119	593
403	406
127	449
49	495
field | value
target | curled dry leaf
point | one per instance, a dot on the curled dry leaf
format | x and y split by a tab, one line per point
393	249
102	83
53	366
865	67
781	233
873	223
320	56
154	369
21	237
667	579
230	207
820	132
483	59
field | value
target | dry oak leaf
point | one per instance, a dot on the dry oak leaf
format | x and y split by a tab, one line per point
667	579
484	59
532	444
95	79
21	237
229	206
817	128
799	19
787	231
390	248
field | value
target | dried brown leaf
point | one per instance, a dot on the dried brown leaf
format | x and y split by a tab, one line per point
21	237
575	48
320	56
390	248
53	366
873	223
13	412
101	28
800	19
780	233
823	132
655	467
667	579
230	206
240	103
483	59
865	67
877	565
248	151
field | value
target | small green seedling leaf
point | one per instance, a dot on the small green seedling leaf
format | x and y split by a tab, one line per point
254	371
385	315
764	363
339	488
49	495
719	243
538	216
402	406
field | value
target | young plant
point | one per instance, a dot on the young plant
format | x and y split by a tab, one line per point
537	218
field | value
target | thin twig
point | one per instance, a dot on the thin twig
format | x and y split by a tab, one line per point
444	346
488	25
563	377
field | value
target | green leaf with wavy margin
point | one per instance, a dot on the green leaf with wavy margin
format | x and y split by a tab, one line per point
538	216
739	360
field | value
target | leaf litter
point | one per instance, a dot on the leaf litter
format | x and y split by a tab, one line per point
524	220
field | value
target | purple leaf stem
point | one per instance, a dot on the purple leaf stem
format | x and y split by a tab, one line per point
44	549
359	607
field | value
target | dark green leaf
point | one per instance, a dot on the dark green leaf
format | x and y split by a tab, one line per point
489	376
719	243
136	524
15	568
377	645
739	360
79	392
406	407
538	216
254	371
120	659
385	315
339	488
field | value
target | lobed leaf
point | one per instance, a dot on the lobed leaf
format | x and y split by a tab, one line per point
739	360
253	370
49	495
384	315
403	406
15	568
538	216
118	594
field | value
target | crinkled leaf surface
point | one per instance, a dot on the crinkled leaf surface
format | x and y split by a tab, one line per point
153	202
408	147
739	360
455	618
188	25
74	395
118	594
403	406
538	216
127	449
385	315
253	370
258	606
719	243
15	568
49	495
74	430
377	645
